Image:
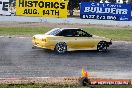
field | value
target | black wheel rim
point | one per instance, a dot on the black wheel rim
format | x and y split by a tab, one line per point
61	48
102	46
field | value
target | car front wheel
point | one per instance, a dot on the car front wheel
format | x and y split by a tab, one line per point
61	48
102	46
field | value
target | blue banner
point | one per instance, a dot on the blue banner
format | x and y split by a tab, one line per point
105	11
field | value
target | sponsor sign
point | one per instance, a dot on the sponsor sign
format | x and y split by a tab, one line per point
110	82
4	7
105	11
47	8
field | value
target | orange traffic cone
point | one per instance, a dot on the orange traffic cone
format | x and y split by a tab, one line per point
86	74
84	79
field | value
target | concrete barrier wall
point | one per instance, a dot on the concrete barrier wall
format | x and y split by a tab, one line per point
64	20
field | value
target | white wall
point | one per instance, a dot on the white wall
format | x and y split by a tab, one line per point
64	20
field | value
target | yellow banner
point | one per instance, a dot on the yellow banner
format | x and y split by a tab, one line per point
46	8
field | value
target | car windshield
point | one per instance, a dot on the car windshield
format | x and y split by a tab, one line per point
54	31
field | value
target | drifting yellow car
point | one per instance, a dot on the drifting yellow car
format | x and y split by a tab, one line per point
62	40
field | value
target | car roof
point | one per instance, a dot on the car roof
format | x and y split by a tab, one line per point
70	28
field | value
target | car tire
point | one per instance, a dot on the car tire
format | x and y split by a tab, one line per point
34	47
102	46
61	48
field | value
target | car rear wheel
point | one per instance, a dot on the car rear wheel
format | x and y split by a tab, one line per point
61	47
102	46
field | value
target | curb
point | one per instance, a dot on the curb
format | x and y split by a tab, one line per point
63	80
40	80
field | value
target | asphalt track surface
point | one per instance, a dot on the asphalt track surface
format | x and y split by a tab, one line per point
18	59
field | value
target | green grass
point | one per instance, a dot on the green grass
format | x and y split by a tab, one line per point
115	34
114	86
24	31
62	86
20	86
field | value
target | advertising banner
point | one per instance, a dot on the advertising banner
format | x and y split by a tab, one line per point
4	7
110	82
105	11
46	8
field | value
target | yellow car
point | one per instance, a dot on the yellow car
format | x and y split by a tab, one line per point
62	40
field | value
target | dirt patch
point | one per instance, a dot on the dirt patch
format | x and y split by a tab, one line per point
59	25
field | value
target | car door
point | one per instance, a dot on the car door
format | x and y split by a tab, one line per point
68	38
84	40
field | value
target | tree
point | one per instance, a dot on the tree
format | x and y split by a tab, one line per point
74	4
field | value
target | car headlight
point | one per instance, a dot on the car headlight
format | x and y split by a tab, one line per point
34	37
44	40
